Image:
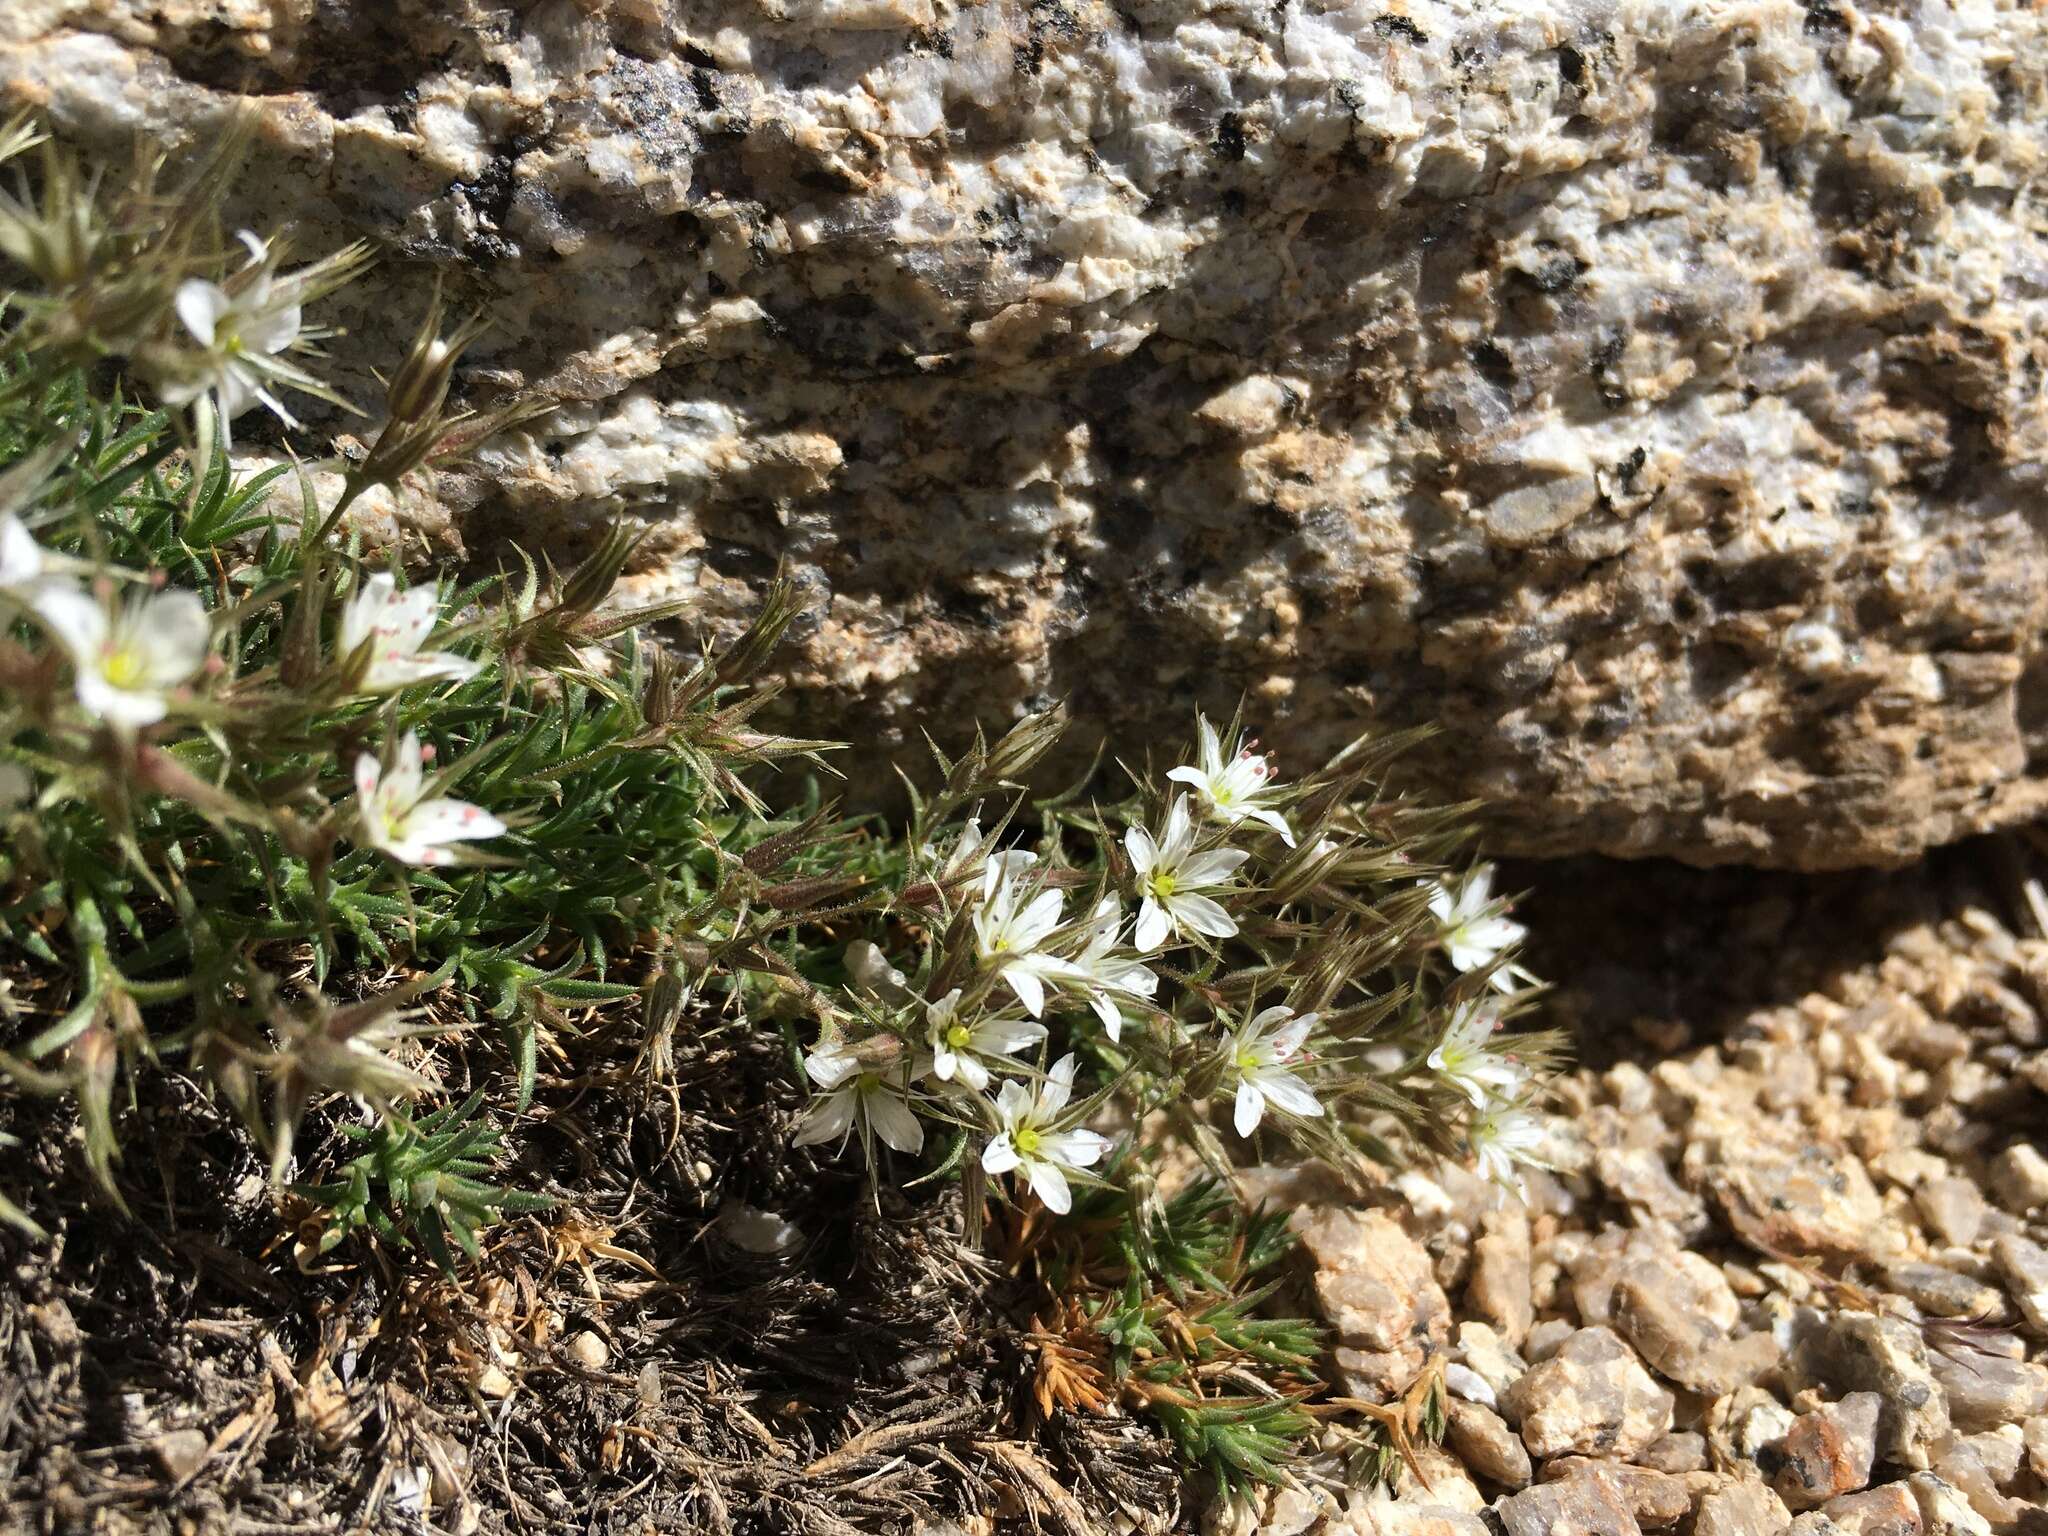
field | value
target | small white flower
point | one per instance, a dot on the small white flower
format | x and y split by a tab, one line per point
1262	1053
1009	928
397	625
1030	1139
959	1048
1473	936
240	331
1464	1060
868	968
129	660
396	820
22	561
969	851
1103	971
1234	784
857	1095
1503	1141
1172	877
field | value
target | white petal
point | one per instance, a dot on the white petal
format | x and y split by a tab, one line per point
1153	927
1495	932
1138	980
1038	919
1287	1041
1000	1156
829	1066
200	305
1464	956
827	1118
1013	1102
1208	868
175	630
409	850
1112	1017
450	821
1075	1149
21	557
1251	1108
1288	1092
1029	989
1059	1082
271	329
1143	851
893	1121
1050	1185
1202	915
1276	821
367	772
388	672
1180	831
1193	777
117	706
1001	1037
77	619
972	1073
1267	1019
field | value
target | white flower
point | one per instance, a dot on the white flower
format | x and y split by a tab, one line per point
958	1047
1235	784
127	661
857	1095
1030	1140
395	819
1473	936
1008	929
397	624
1101	973
1503	1140
1464	1061
241	330
1261	1053
22	561
1171	878
969	849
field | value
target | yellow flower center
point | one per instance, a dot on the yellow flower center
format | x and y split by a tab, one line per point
1161	885
1247	1063
958	1036
124	669
1027	1142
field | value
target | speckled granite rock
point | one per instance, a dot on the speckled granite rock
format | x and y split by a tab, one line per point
1649	391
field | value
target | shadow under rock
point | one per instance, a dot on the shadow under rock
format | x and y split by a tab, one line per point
1659	956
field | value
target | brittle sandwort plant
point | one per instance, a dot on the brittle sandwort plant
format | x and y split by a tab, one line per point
308	827
274	813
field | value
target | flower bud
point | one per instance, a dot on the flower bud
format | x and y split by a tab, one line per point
592	581
1025	743
420	387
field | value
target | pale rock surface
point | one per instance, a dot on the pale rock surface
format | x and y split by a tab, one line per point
1647	391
